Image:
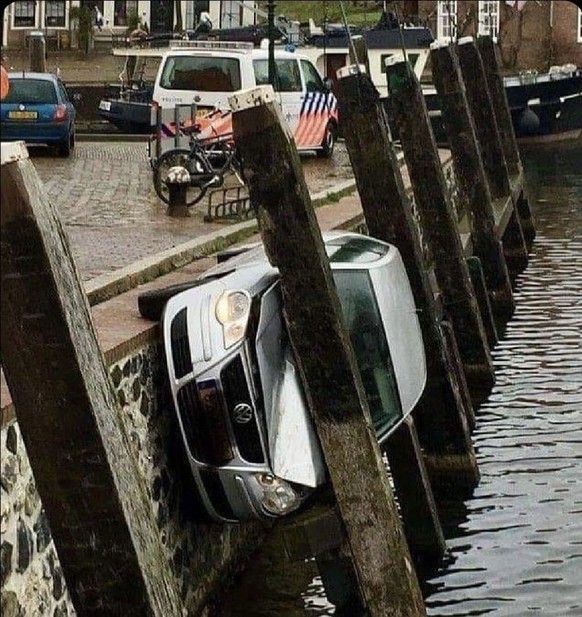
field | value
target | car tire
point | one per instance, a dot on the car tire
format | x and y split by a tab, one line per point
328	143
65	148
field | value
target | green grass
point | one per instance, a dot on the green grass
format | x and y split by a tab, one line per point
363	13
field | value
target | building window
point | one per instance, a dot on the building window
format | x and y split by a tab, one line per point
579	25
24	14
55	13
122	11
489	18
447	19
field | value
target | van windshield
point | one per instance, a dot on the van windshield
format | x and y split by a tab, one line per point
202	73
363	320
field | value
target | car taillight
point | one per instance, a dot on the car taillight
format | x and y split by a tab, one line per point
60	113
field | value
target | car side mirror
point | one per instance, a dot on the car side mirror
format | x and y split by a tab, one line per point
327	84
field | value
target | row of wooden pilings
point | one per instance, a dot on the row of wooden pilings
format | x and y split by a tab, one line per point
463	292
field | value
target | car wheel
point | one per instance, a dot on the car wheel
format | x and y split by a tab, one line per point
328	143
65	148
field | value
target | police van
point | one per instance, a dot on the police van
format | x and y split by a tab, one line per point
207	73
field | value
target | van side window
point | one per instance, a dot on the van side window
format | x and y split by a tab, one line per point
313	81
288	74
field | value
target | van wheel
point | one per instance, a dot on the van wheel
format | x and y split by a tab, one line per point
328	143
151	303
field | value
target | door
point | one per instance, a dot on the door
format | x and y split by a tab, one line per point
161	16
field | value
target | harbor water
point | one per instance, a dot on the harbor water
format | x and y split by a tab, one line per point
514	548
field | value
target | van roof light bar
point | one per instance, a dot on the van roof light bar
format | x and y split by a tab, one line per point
185	44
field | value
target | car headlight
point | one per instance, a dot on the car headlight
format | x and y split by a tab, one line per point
279	497
232	311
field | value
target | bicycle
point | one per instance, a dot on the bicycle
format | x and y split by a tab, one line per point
207	160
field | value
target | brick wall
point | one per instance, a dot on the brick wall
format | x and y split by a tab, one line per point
565	48
527	40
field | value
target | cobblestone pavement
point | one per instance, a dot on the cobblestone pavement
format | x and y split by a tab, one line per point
105	196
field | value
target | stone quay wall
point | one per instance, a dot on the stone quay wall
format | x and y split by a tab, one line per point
201	556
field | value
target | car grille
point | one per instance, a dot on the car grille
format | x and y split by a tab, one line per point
180	346
204	423
240	409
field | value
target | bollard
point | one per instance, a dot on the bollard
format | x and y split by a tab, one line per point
439	225
379	556
445	408
178	181
94	495
37	54
470	174
481	105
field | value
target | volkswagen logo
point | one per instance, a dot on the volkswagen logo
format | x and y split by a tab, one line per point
242	413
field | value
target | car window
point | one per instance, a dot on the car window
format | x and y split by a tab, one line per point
313	81
202	73
31	91
364	323
289	78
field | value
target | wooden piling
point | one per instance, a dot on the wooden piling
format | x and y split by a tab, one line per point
491	64
359	52
445	409
439	225
470	174
94	496
420	517
481	292
487	130
387	583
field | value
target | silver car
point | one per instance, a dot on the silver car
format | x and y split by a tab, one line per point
237	394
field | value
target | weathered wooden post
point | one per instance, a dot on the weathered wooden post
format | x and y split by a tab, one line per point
439	225
37	52
359	52
470	174
387	583
445	410
487	130
489	56
94	496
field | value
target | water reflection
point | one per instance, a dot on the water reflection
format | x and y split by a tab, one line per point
515	547
516	554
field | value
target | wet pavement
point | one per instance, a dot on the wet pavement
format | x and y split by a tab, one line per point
105	196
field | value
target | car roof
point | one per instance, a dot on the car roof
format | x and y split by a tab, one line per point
31	75
224	52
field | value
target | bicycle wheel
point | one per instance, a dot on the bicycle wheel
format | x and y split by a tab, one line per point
192	162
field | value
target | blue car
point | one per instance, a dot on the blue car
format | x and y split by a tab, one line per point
37	110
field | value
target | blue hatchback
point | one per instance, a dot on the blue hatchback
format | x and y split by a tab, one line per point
37	110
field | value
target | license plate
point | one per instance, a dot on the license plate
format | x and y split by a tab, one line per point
105	105
23	115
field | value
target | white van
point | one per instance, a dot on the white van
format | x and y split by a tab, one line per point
207	73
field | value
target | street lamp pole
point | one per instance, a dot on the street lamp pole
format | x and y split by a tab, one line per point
271	32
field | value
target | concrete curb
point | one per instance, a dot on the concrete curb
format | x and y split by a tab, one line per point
107	286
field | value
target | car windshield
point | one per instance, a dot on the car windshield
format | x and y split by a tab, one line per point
31	91
202	73
364	323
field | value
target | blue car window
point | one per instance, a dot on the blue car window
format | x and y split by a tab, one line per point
31	91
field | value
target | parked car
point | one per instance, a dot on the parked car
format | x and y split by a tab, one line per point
238	399
37	110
